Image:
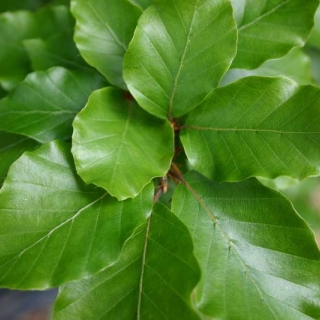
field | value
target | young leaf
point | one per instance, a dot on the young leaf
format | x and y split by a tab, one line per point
11	148
153	278
314	38
264	127
104	29
268	29
118	146
18	26
44	105
259	259
179	50
296	65
56	229
57	50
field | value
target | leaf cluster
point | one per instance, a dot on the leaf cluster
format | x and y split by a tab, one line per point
133	135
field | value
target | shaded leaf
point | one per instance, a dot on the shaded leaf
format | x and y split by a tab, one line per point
264	127
153	278
54	228
268	29
259	259
118	146
10	5
296	65
179	51
103	31
18	26
11	148
57	50
314	55
44	105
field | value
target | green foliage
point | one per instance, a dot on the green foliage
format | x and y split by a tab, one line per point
140	199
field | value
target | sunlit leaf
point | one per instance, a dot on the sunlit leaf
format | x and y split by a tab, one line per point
119	146
143	4
153	278
54	228
264	127
258	258
179	51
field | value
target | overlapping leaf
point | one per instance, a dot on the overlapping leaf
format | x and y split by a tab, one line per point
18	26
104	29
179	50
119	146
57	50
11	148
264	127
44	105
54	228
295	65
153	278
268	29
314	38
259	259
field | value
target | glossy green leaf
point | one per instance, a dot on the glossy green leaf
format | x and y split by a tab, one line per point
268	29
143	4
18	26
54	228
314	38
265	127
296	65
57	50
11	148
44	105
118	146
104	29
179	51
259	259
153	278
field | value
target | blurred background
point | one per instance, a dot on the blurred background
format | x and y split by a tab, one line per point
305	195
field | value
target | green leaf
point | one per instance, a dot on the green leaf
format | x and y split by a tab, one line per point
10	5
314	55
118	146
265	127
314	38
57	50
259	259
54	228
143	4
103	31
268	29
18	26
296	65
44	105
11	148
153	278
179	51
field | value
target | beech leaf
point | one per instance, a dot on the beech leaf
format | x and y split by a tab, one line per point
153	278
44	105
258	257
119	146
179	51
54	228
266	127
